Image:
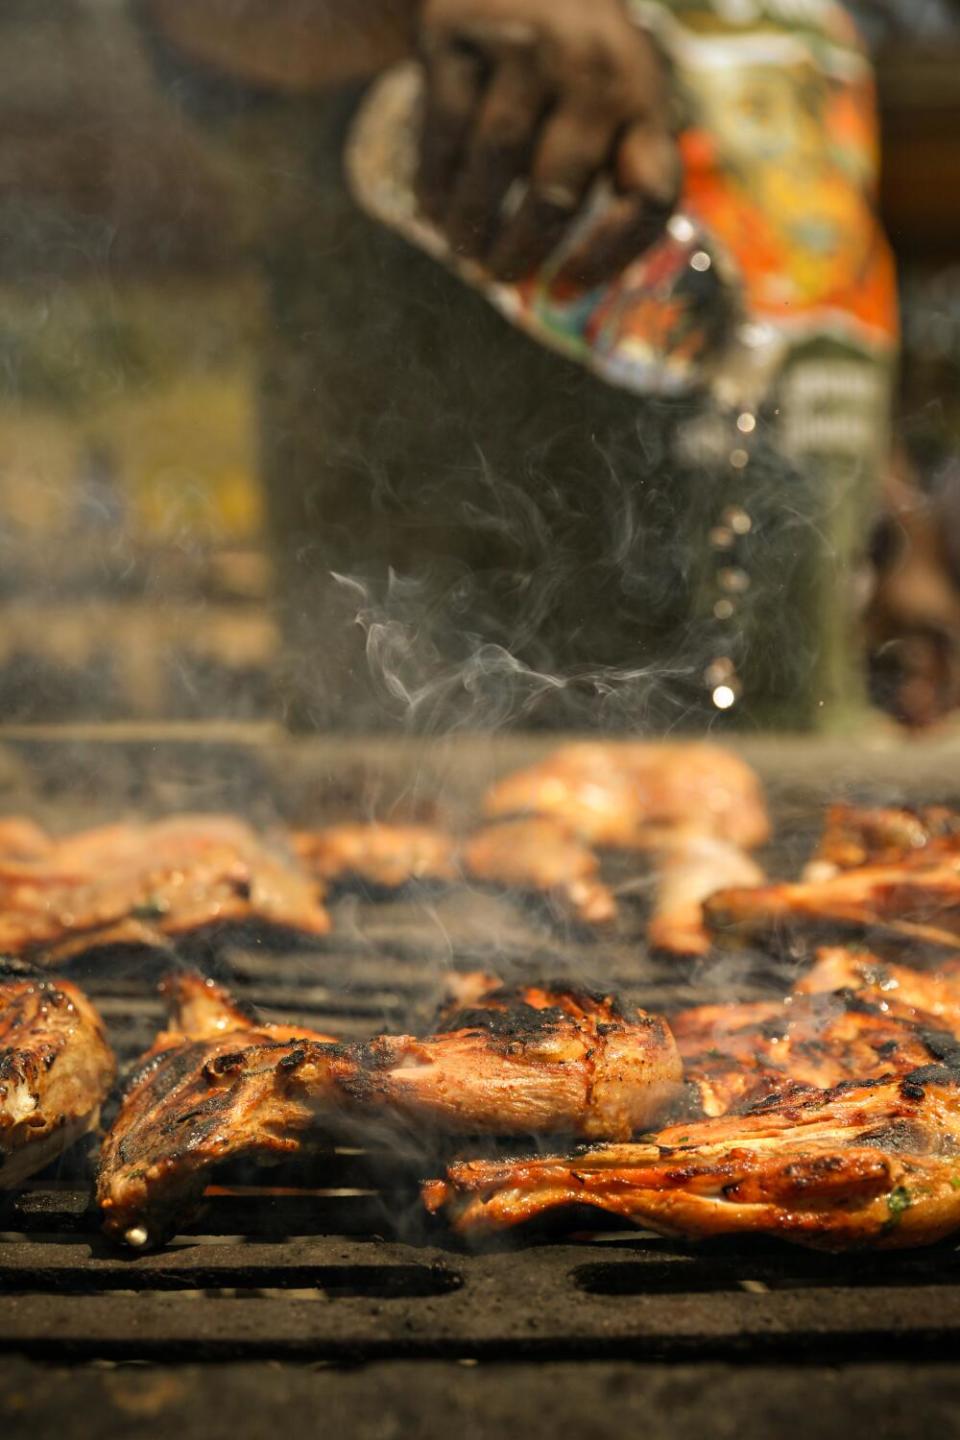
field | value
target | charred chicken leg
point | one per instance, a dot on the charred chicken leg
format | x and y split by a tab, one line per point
216	1084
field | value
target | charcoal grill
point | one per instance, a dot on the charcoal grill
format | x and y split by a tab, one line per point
325	1283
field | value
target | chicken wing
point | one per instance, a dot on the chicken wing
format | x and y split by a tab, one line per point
55	1071
864	1164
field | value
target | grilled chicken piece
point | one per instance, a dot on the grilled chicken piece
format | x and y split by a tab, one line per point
386	857
537	855
913	904
735	1055
149	883
543	856
631	795
688	871
529	1061
918	993
23	839
218	1085
864	1164
55	1070
855	836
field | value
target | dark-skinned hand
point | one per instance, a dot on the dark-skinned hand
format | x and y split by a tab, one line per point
528	103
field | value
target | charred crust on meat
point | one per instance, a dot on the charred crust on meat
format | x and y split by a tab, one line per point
518	1022
372	1055
294	1060
168	1068
507	999
224	1064
913	1086
901	1136
943	1046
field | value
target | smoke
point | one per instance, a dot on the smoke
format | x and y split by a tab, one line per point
484	686
548	597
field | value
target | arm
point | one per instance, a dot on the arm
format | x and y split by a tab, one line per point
294	46
496	70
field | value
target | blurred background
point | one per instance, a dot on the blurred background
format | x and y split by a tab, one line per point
137	575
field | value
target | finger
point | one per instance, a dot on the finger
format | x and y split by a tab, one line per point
455	76
629	226
573	148
498	152
647	172
648	162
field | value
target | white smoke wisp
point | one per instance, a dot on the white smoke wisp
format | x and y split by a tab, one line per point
435	686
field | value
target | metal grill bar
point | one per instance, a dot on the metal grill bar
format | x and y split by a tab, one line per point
342	1300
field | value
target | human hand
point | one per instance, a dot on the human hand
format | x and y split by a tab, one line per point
551	94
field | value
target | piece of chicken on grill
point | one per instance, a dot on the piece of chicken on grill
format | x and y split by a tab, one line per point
537	856
896	901
734	1055
218	1085
695	808
688	870
528	1060
630	795
55	1071
865	1164
146	884
379	855
541	856
932	994
855	836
